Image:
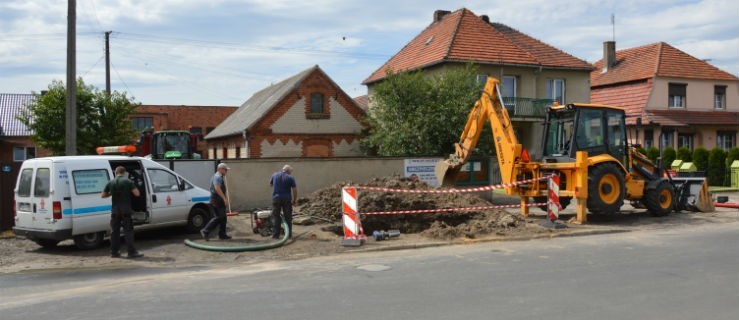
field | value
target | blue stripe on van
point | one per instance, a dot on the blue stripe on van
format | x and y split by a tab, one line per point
200	199
87	210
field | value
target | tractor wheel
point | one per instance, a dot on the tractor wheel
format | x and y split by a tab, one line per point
661	200
606	188
563	201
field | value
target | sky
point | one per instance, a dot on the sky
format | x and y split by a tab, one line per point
220	52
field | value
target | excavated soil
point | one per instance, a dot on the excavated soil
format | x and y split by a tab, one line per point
450	224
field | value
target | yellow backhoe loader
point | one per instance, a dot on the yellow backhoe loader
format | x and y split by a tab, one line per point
587	146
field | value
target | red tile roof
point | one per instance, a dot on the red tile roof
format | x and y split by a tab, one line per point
362	102
688	118
631	96
463	36
657	59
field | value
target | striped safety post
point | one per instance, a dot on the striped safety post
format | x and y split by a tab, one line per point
353	232
553	205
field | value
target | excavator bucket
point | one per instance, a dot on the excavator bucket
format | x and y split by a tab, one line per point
446	173
692	194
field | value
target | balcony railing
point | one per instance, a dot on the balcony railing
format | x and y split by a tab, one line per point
526	107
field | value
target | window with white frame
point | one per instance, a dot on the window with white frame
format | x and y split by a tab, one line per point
685	140
719	97
23	153
509	91
676	95
726	139
556	90
666	139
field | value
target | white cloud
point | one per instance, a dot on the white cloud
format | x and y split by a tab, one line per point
219	52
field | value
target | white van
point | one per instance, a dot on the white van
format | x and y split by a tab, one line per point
58	198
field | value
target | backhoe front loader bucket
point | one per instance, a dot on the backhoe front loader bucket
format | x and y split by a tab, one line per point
692	194
446	173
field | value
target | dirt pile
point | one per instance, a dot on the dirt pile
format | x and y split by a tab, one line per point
326	204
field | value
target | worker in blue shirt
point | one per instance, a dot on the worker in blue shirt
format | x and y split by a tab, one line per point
284	196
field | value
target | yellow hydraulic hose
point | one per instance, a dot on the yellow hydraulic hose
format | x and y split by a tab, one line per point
255	247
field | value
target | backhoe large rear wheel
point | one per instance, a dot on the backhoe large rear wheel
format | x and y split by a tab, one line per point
606	188
661	200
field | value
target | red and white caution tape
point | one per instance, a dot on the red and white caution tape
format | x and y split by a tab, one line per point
454	209
476	189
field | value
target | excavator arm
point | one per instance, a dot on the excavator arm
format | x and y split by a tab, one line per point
488	107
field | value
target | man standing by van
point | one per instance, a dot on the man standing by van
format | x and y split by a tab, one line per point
284	195
219	201
121	189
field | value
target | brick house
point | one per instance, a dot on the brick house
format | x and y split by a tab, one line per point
533	74
16	145
681	100
306	115
200	120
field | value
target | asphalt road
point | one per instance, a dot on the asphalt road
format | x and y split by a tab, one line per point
689	272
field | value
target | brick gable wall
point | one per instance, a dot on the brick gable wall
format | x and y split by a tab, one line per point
313	135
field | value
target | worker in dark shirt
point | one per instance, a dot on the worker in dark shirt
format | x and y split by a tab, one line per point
284	196
121	188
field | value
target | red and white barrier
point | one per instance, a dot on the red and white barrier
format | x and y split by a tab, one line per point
553	205
353	232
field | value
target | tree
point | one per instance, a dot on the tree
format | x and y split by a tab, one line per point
700	158
417	115
730	158
668	156
101	120
684	154
716	167
653	153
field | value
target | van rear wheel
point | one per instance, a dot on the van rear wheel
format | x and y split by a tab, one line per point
89	241
197	219
47	243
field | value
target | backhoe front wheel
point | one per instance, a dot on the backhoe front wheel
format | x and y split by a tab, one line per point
661	200
606	188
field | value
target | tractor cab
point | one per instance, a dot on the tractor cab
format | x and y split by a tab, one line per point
596	129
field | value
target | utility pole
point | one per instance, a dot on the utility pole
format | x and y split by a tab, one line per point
107	62
70	141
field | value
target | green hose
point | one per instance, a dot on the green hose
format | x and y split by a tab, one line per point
256	247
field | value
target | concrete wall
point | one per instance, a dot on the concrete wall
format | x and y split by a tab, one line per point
248	179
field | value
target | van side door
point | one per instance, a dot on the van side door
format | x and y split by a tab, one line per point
169	203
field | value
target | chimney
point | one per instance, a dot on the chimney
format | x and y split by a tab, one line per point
438	14
609	55
485	18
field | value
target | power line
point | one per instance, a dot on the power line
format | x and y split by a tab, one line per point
244	47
